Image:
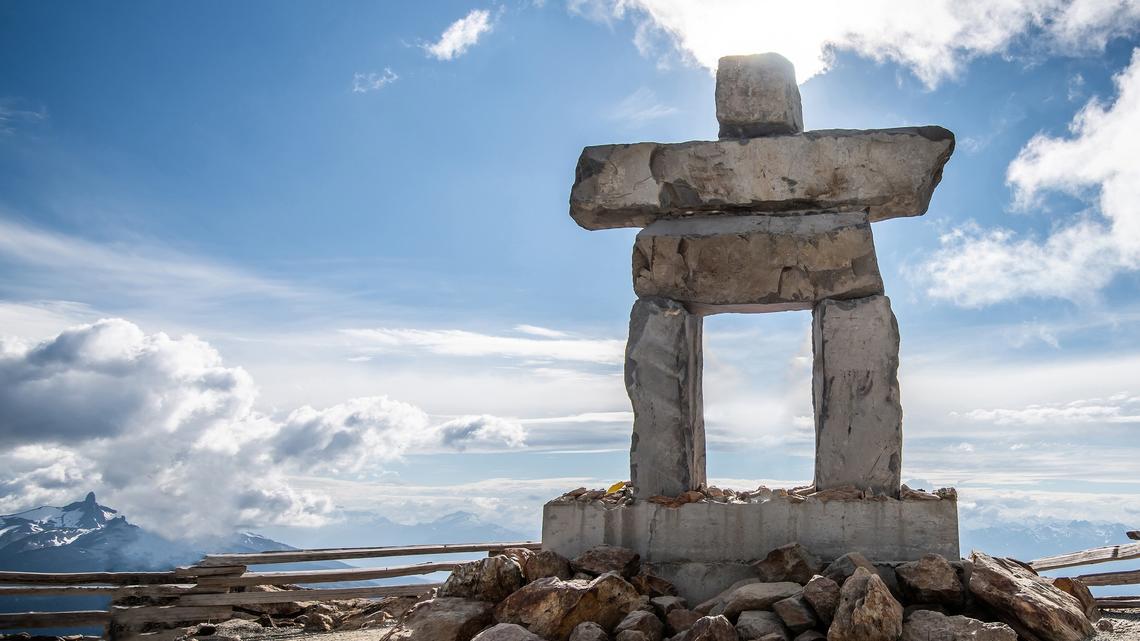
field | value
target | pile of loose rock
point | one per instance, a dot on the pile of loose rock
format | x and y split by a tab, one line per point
607	595
622	494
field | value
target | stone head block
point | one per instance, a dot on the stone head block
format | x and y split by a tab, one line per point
756	96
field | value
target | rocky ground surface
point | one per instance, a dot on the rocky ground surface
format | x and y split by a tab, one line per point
622	494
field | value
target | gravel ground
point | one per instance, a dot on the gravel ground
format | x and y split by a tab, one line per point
1125	625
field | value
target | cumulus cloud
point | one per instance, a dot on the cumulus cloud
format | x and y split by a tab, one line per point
461	35
934	39
172	434
543	345
373	81
1083	252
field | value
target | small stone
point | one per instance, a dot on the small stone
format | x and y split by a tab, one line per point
546	563
506	632
589	631
711	628
759	596
842	568
666	604
823	595
644	622
757	95
490	579
679	620
927	625
608	558
754	624
792	562
867	611
1104	625
691	496
796	613
931	579
1021	597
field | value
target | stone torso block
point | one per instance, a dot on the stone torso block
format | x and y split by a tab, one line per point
855	390
757	263
888	172
663	377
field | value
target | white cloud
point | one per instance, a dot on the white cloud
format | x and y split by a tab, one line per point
13	116
1082	253
457	342
373	81
461	35
1119	408
170	433
641	107
934	39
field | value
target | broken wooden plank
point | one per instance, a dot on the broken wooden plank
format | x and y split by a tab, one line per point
94	590
1119	602
53	619
169	614
323	576
1088	557
73	578
288	596
334	554
1127	577
221	570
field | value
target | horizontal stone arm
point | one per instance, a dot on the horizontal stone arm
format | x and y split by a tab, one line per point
887	172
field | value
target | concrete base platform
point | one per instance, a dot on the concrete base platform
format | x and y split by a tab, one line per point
700	546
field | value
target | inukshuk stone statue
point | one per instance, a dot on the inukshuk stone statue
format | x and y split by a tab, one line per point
767	218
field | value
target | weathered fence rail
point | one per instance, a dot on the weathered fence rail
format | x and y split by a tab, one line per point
1106	554
201	592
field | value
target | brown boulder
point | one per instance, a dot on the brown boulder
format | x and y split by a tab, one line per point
443	619
653	585
608	558
757	624
644	622
717	602
823	595
797	614
666	604
867	611
811	635
589	631
679	620
792	562
759	596
930	579
546	563
927	625
714	628
552	608
1079	591
506	632
490	579
1027	602
843	567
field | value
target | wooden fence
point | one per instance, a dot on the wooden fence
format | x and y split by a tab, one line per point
201	592
1105	554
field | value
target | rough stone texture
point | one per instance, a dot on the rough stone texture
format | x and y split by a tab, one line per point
755	624
822	594
1079	591
546	563
631	635
663	366
653	585
644	622
811	635
663	605
796	613
930	579
490	579
506	632
717	602
552	608
888	172
843	567
757	95
678	621
709	533
867	611
711	628
444	619
757	263
589	631
759	596
855	390
791	562
608	558
1026	601
927	625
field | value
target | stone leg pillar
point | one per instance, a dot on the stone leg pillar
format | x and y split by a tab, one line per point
663	365
855	390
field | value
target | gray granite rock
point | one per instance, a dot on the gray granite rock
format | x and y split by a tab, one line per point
930	579
926	625
757	263
757	95
756	624
855	388
887	172
663	378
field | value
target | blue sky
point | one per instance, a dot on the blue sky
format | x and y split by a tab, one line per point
331	249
